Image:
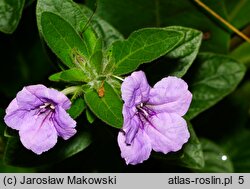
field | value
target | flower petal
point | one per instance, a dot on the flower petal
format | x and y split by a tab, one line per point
27	100
167	132
64	124
14	116
170	95
38	133
135	89
47	94
138	151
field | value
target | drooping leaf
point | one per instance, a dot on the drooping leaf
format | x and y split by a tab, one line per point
142	46
192	152
107	108
62	38
182	56
216	160
10	14
90	116
62	150
71	75
213	77
77	107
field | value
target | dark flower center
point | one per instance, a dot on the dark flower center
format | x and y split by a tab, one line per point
142	109
46	107
144	112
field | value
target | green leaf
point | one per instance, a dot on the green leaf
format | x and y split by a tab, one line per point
62	150
237	11
10	14
161	13
62	38
237	146
213	77
77	107
78	16
96	61
214	159
71	75
9	132
183	55
192	151
242	54
142	46
90	116
107	108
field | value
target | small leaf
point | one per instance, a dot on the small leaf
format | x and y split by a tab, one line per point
62	150
107	108
10	14
71	75
214	77
216	160
142	46
183	55
90	116
77	107
62	38
8	132
96	61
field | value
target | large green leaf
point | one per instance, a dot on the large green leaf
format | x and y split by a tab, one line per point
62	150
78	16
142	46
216	160
182	57
213	77
155	13
107	108
10	14
62	38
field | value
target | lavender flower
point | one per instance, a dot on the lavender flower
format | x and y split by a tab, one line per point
38	113
153	117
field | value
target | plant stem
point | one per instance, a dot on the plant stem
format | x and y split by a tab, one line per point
230	26
70	90
117	77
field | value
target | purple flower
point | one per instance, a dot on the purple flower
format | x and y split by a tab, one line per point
153	117
38	113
